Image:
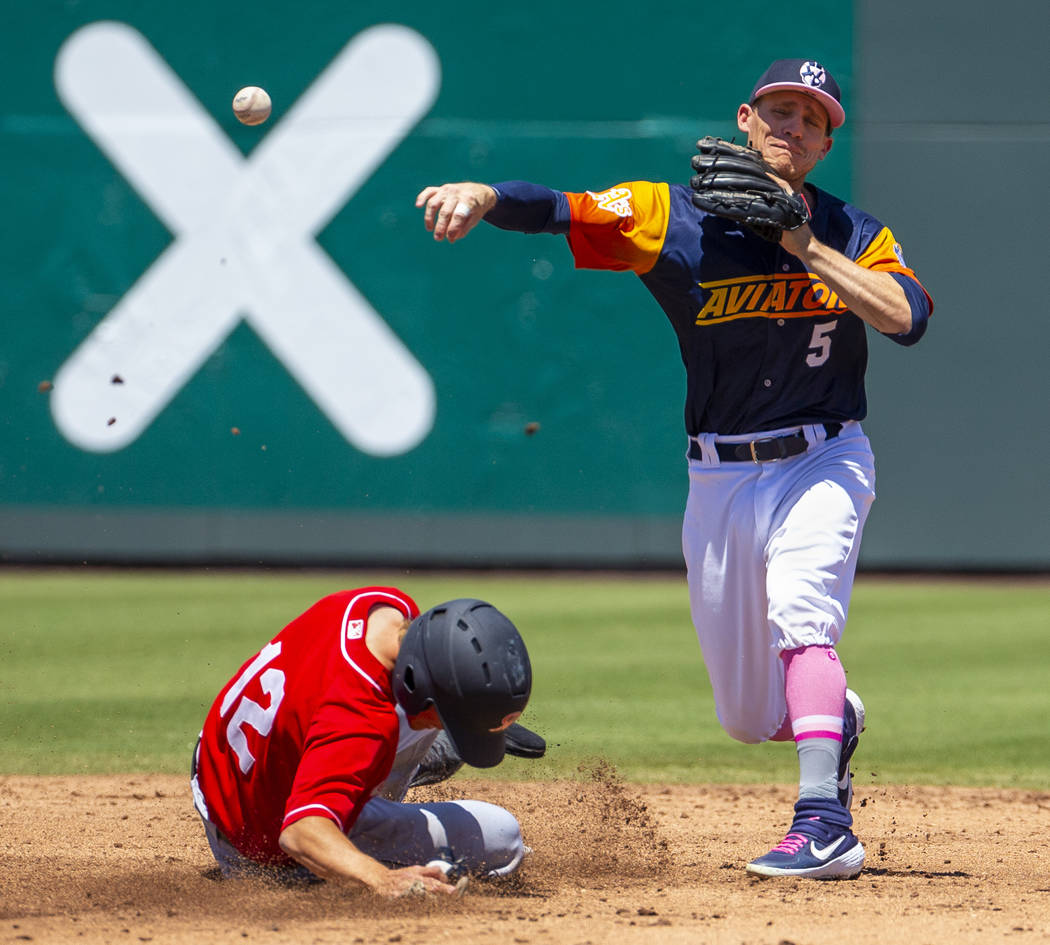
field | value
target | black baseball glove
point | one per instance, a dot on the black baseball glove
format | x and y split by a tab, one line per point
442	760
733	181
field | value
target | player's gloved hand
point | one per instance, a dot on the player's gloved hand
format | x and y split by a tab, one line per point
734	182
523	743
439	763
442	760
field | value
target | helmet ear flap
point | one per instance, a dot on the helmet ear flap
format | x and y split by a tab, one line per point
411	676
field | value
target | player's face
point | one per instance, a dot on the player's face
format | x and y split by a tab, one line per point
790	130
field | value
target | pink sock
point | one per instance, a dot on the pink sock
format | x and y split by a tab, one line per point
815	690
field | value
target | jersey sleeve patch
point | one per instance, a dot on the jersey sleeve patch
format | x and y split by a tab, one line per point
883	253
355	619
622	228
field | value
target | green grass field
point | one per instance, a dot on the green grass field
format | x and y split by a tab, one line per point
105	671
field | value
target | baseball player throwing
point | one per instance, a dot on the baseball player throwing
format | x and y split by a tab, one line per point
771	316
293	768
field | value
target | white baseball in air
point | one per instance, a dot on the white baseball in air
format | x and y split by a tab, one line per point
252	105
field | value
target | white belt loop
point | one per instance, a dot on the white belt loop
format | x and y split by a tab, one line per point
708	453
814	433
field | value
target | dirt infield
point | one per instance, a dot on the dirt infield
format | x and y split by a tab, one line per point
113	859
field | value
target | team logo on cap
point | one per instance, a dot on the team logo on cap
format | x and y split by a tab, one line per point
813	74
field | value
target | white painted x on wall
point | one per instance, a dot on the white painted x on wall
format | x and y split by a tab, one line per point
244	242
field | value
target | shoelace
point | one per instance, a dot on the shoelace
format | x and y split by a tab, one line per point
791	844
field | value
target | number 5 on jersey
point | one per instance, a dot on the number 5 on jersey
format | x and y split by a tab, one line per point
820	343
248	711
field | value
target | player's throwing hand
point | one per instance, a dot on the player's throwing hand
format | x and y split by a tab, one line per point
453	210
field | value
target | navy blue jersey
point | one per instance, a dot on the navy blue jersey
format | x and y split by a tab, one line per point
765	343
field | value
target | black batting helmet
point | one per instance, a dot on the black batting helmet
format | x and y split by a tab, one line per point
467	660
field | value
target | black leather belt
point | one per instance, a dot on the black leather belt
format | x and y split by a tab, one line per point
764	449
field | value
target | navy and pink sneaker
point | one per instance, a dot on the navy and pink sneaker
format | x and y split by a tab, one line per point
819	845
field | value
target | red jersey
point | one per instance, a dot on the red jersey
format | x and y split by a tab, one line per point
306	728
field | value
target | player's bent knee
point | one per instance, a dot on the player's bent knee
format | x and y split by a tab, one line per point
744	735
502	848
744	724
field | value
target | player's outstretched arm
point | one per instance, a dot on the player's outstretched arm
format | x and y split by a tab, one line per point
451	211
319	845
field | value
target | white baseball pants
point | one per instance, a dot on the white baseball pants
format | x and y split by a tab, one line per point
771	552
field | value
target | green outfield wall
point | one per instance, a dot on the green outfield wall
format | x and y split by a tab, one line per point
224	343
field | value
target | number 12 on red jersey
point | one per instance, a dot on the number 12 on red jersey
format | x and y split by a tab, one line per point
248	711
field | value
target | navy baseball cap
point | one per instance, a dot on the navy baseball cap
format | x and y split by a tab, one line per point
807	76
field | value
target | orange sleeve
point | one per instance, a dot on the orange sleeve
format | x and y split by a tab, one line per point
622	228
884	255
